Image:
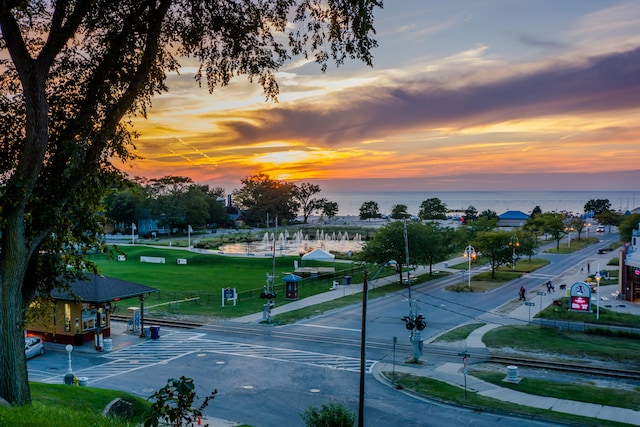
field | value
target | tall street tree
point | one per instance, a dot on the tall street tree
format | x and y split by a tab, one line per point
73	73
370	210
427	244
262	198
432	208
495	246
303	193
597	206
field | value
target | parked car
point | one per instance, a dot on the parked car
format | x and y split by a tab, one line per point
600	229
33	346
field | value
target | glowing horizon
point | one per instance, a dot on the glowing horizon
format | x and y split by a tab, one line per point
483	93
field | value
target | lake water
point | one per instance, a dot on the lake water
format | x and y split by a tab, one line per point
349	203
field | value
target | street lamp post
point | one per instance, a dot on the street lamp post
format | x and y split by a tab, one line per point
514	243
588	225
569	230
69	377
469	253
598	278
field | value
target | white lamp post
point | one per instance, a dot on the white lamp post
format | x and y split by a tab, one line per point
69	377
569	230
514	243
598	278
469	253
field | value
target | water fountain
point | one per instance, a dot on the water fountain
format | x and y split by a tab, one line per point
298	243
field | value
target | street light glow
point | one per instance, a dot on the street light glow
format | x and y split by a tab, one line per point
469	253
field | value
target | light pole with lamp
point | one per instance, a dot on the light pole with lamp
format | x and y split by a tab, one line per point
598	278
514	243
588	225
69	377
569	230
469	253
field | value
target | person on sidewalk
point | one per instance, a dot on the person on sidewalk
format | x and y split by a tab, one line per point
550	287
522	293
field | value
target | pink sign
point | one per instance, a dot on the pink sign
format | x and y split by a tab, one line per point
579	303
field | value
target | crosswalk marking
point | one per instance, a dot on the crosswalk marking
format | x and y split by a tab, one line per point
181	343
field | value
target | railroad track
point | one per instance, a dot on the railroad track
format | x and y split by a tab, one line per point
567	367
428	350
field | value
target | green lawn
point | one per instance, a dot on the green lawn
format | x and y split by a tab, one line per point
448	393
205	275
57	405
577	345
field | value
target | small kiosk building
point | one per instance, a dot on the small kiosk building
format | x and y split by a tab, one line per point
83	312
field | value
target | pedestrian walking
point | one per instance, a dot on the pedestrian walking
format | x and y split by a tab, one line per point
522	293
588	268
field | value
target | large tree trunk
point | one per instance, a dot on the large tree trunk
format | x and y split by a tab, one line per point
14	382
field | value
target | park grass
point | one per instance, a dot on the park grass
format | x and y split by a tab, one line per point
206	275
580	392
59	405
576	245
563	343
460	333
447	393
483	282
607	318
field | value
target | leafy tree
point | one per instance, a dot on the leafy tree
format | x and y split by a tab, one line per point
399	212
215	202
370	210
470	214
548	223
169	201
261	196
73	73
432	208
123	206
628	224
196	207
433	242
489	214
427	244
609	217
577	224
482	224
303	194
495	246
329	415
536	211
597	206
528	244
330	209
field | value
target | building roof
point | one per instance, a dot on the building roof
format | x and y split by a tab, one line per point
101	289
318	255
514	215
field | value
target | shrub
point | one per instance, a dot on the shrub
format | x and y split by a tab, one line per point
331	415
174	404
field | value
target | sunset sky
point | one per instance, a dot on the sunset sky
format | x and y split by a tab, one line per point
463	95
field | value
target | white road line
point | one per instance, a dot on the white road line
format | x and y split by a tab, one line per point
328	327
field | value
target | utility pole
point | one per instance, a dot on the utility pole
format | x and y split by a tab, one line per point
415	322
363	343
269	292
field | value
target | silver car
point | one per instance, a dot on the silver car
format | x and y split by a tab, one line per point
33	346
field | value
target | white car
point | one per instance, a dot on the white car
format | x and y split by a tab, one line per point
600	229
33	346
